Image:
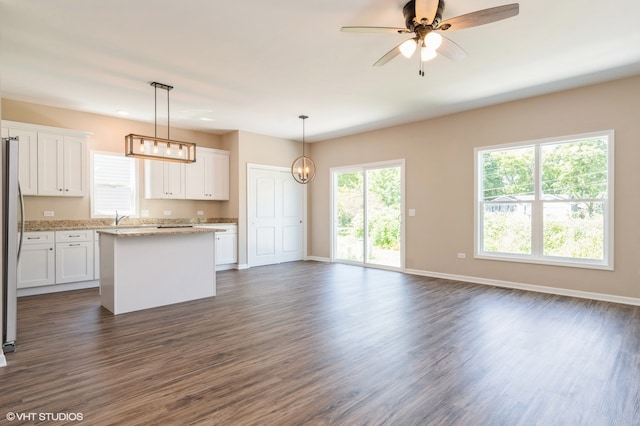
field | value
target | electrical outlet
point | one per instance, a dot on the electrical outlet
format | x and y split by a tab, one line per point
412	212
462	256
167	212
200	213
48	213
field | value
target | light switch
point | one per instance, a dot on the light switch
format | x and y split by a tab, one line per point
412	212
48	213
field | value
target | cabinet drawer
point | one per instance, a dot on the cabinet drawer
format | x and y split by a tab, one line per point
72	236
37	237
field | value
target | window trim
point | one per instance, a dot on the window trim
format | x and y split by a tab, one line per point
136	185
607	263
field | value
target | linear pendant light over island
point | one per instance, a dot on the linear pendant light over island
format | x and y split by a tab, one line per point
154	148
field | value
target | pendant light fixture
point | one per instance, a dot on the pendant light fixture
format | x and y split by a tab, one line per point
303	168
154	148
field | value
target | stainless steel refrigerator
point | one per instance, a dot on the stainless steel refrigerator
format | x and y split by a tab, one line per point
12	214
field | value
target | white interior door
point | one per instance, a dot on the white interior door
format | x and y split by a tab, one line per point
275	216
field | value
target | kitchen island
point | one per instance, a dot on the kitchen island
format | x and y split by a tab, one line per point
142	268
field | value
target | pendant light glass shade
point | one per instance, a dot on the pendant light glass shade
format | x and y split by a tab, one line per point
303	168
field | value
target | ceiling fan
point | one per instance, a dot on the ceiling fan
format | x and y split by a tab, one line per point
423	18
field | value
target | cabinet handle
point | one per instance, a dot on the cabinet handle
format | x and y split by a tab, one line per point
60	189
51	249
67	190
33	238
73	245
74	236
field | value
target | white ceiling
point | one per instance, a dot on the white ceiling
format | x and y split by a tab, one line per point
256	65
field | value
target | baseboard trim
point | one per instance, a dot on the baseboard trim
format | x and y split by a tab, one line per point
318	259
530	287
56	288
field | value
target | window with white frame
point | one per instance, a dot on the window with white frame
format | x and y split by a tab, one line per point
113	185
548	201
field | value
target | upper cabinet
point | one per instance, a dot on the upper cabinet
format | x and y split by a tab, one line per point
62	165
208	177
164	179
53	161
28	153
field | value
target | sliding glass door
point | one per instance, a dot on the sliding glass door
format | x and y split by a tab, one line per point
367	218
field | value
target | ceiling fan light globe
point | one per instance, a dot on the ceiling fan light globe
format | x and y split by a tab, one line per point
427	54
408	47
433	40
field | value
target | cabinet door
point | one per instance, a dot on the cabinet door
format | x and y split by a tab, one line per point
50	177
220	190
174	174
153	179
195	177
74	262
37	265
226	248
164	179
75	170
28	167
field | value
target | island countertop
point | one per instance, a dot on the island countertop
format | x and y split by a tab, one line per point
149	231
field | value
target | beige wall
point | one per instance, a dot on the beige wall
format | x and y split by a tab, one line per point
439	157
108	135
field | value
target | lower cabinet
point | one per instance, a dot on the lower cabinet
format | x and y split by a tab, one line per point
37	260
227	245
226	248
60	257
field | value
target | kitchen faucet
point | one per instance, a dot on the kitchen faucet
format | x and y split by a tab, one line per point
119	218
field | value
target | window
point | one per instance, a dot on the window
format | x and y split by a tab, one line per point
113	185
547	201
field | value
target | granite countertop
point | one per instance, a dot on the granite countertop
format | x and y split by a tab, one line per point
67	225
150	231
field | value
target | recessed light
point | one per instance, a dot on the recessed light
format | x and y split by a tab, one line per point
206	119
122	112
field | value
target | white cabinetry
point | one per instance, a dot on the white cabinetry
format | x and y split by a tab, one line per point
53	161
226	244
62	165
208	177
96	255
164	179
37	260
74	256
28	167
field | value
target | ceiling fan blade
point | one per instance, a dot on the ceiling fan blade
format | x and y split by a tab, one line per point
391	30
388	56
480	17
426	9
451	50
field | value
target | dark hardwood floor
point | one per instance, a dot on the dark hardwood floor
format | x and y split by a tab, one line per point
309	343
